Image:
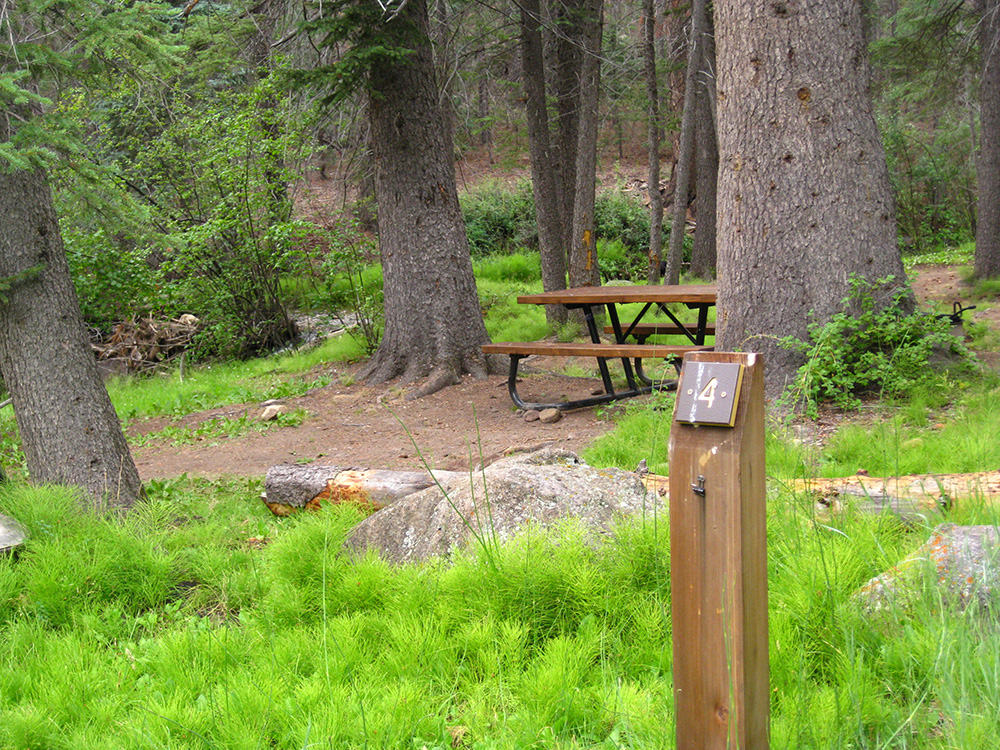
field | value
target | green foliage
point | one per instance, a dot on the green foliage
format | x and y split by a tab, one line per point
927	65
353	282
365	40
166	630
617	262
621	217
113	283
876	348
499	219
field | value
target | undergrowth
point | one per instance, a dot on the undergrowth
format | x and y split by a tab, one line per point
876	348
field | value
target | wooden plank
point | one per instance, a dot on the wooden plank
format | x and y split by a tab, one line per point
620	295
666	328
718	560
606	351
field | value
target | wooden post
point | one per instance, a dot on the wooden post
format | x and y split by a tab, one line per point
718	554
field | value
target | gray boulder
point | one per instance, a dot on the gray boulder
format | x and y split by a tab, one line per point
537	488
962	561
11	535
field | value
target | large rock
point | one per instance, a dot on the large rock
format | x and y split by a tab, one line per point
961	560
539	488
11	535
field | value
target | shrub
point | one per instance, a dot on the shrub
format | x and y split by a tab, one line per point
499	219
876	349
621	217
353	283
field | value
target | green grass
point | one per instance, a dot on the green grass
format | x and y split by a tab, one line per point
202	621
177	628
221	384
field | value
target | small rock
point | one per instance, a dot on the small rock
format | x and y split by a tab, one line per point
531	415
271	402
272	412
550	416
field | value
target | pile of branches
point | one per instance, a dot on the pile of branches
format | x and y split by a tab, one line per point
143	344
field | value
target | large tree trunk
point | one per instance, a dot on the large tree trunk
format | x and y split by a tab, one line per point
544	165
583	266
653	129
565	58
433	321
69	430
804	195
987	261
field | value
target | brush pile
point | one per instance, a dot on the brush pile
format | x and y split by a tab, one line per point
143	344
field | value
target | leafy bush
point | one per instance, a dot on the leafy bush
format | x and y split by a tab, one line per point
621	217
617	262
869	348
210	230
353	282
499	219
113	282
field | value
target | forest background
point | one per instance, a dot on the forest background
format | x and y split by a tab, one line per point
179	173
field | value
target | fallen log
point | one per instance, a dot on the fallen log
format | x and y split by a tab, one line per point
290	487
910	497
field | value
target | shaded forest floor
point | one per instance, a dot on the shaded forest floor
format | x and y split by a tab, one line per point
357	425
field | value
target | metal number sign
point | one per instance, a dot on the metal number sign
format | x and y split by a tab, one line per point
708	393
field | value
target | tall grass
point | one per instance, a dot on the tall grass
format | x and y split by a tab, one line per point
177	628
201	621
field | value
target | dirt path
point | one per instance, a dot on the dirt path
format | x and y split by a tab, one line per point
366	427
369	427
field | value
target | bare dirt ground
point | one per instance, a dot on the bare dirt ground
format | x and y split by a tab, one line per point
363	426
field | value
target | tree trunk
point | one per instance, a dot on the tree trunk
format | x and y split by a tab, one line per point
653	128
804	195
69	430
685	155
544	166
583	266
703	253
987	260
565	43
433	322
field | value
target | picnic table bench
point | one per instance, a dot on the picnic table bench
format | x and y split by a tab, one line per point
631	354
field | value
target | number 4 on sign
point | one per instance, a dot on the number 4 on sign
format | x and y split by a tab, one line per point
709	393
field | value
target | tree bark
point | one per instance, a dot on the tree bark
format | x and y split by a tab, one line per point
544	165
653	129
804	195
566	58
433	322
583	265
987	257
703	252
685	155
69	430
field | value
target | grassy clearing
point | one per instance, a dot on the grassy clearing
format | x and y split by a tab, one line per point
202	621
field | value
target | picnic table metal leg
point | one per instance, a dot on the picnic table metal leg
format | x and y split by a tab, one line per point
595	337
620	339
604	398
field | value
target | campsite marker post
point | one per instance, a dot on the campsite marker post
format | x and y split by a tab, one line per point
718	554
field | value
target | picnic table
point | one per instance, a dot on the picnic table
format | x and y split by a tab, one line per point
630	337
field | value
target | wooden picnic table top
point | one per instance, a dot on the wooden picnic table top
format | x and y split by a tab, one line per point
620	295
